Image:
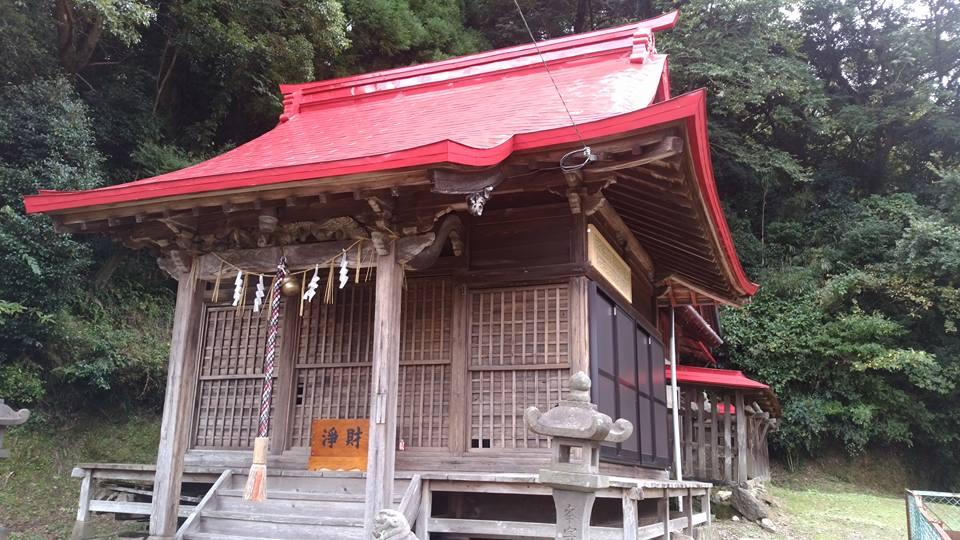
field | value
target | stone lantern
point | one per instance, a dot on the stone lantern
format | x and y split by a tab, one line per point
577	429
9	417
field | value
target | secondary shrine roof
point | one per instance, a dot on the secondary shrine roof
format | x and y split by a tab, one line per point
727	378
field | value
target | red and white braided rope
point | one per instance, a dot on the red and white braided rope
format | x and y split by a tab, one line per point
267	395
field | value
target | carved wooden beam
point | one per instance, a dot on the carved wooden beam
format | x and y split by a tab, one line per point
450	228
625	235
299	257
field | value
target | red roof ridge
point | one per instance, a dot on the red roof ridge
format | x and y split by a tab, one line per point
637	37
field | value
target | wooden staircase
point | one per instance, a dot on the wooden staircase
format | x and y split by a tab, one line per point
297	507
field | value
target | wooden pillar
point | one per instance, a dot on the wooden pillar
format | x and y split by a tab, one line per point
381	456
689	512
741	439
727	439
284	385
663	509
426	510
579	325
631	522
459	390
83	508
701	436
177	406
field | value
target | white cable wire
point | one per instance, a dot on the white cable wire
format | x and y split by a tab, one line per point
585	152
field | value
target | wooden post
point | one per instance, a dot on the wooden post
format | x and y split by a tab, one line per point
663	508
86	492
579	325
741	439
630	520
423	519
727	440
83	509
459	393
705	505
381	457
284	384
689	512
714	434
701	435
177	406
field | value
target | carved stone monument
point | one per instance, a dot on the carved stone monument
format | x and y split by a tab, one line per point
9	417
392	525
577	429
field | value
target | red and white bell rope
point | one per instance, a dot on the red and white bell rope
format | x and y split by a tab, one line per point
268	362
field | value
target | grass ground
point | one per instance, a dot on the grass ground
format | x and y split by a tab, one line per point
831	499
38	498
835	498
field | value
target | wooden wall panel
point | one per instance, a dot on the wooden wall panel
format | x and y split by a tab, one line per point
708	434
519	349
537	237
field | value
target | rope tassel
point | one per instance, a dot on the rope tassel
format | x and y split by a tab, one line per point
256	487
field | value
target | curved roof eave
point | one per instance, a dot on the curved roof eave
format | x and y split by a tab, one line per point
688	108
703	168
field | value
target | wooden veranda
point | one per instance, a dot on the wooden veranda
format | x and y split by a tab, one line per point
467	249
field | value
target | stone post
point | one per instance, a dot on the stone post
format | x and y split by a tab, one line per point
577	429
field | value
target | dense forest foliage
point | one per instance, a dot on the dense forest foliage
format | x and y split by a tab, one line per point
835	127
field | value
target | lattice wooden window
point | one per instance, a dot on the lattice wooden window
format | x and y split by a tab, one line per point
230	377
335	356
519	356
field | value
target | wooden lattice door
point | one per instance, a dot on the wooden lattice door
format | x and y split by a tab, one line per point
334	358
230	377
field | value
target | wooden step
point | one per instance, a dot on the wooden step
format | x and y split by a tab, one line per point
308	484
300	495
284	518
287	527
331	534
215	536
289	506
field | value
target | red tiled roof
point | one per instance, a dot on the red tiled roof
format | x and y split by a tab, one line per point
473	111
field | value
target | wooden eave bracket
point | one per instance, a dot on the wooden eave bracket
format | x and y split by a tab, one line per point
454	182
452	229
624	236
418	252
664	149
576	191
